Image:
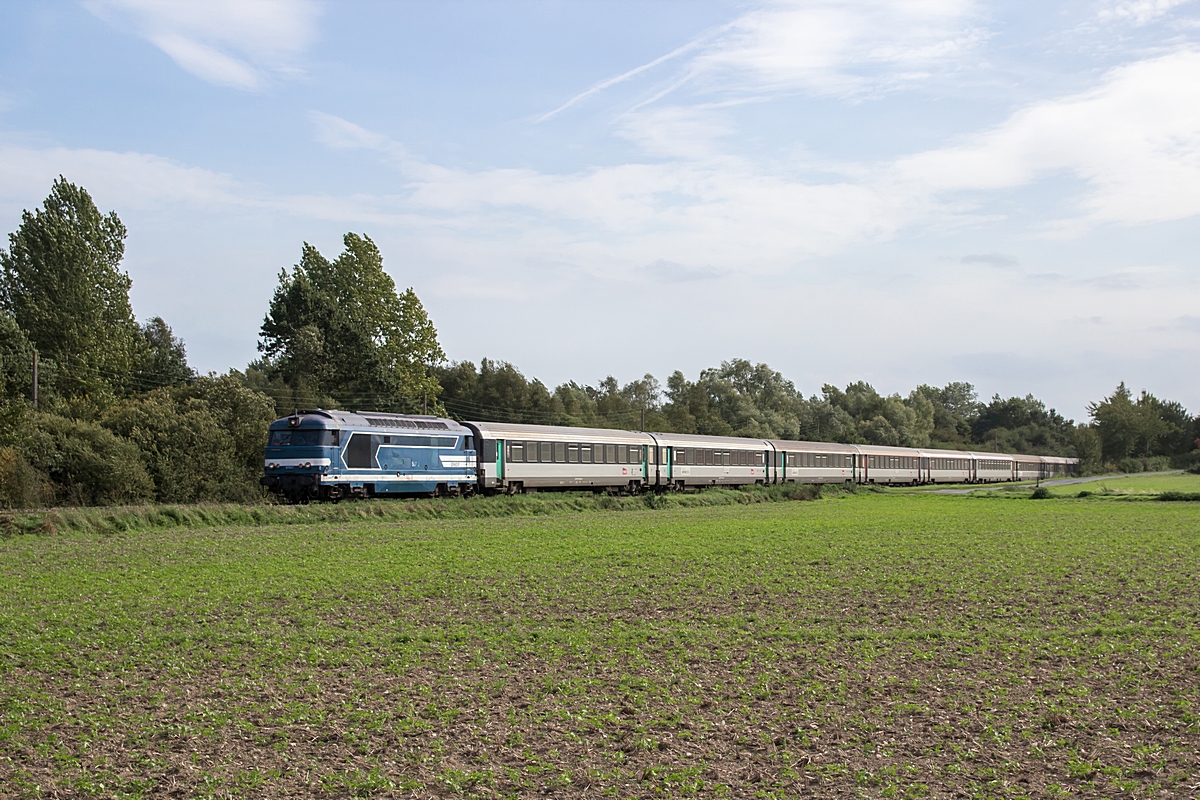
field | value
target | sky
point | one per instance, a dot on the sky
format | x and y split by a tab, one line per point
901	193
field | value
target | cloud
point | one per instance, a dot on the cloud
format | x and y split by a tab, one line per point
235	43
671	272
819	47
127	180
1134	141
1139	12
604	84
997	260
676	131
839	48
341	134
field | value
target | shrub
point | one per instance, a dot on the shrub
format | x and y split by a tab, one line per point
1040	493
1147	464
22	486
199	442
85	463
1187	497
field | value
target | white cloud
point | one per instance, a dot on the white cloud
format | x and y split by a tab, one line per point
125	180
1139	12
236	43
822	47
839	48
1134	141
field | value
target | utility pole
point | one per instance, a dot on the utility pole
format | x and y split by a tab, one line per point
424	402
35	378
643	419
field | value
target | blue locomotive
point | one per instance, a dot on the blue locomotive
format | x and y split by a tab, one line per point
331	455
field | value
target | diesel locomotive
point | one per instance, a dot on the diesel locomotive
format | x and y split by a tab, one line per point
332	455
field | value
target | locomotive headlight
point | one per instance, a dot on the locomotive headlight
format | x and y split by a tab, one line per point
308	465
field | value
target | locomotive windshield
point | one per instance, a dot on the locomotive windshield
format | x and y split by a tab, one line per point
297	438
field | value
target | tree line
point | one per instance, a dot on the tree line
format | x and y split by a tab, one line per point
119	416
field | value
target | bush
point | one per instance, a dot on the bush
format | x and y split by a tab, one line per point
1147	464
1040	493
199	442
84	463
22	486
1189	461
1187	497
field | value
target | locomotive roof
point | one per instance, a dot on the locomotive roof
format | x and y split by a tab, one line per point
322	418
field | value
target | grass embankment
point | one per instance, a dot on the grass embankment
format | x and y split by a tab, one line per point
120	519
1133	486
1175	486
875	645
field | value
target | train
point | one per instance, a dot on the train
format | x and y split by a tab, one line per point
334	455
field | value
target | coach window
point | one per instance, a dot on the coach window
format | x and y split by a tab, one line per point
516	452
560	452
610	454
635	454
651	455
545	450
622	454
585	454
572	454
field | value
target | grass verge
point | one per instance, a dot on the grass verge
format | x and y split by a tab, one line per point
123	519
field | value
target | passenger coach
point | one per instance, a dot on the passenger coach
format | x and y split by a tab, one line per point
524	458
684	461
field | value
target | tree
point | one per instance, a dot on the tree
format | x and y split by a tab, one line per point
1022	425
339	330
164	357
955	407
1140	428
497	391
63	285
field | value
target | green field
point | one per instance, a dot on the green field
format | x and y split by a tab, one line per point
1134	485
875	645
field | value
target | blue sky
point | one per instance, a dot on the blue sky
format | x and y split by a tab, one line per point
901	193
